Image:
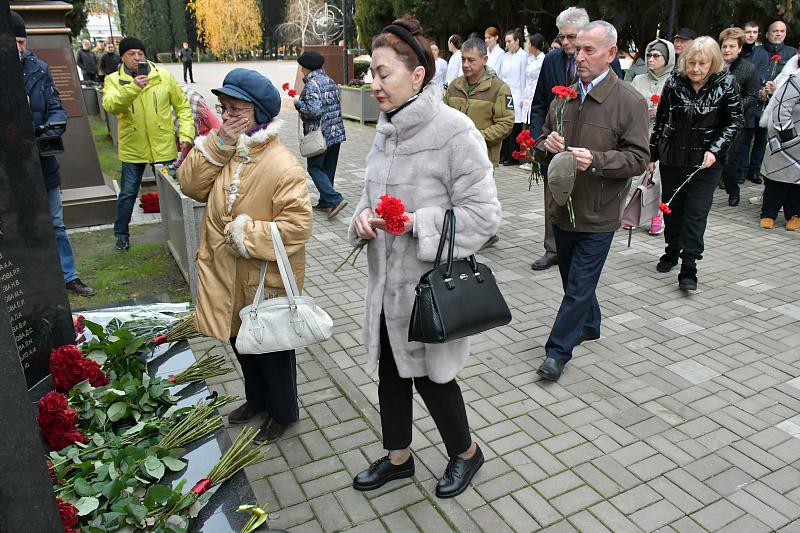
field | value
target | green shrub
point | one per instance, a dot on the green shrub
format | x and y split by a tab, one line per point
165	57
360	69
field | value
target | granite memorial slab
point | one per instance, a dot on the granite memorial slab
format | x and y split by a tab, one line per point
34	311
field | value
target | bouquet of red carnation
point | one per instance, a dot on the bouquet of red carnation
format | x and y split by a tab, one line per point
564	95
69	367
526	143
392	211
57	421
149	202
69	516
289	91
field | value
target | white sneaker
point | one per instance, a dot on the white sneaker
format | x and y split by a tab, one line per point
526	166
756	200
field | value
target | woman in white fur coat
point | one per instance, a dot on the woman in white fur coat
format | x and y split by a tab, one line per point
432	158
248	178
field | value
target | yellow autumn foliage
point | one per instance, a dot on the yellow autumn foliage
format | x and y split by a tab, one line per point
228	27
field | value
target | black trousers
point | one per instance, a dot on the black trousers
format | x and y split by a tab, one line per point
778	194
187	67
685	226
753	158
443	400
737	153
510	144
270	383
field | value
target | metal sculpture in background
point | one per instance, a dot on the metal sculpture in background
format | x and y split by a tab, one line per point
311	22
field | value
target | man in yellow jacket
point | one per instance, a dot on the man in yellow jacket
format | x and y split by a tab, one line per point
144	98
483	97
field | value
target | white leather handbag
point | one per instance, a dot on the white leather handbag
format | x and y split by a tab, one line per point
282	323
312	143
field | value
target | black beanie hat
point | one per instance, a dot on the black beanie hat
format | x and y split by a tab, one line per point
18	25
311	60
130	43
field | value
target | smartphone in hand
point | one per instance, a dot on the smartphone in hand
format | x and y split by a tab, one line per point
143	69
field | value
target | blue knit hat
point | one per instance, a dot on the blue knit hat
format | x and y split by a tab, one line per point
250	86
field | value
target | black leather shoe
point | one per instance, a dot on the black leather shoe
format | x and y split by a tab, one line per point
458	474
123	243
587	335
754	177
271	431
551	369
243	413
733	200
381	472
544	262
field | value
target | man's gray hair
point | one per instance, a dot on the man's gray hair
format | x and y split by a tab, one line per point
609	31
474	43
572	16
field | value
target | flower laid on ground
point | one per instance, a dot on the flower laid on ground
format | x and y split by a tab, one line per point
526	143
185	329
664	207
208	366
57	421
392	211
69	367
69	516
655	99
258	516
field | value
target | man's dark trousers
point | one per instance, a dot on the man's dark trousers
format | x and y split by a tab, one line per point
581	256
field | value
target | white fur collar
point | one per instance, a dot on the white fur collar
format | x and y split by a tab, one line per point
261	136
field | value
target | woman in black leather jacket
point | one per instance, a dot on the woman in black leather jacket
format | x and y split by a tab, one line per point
699	115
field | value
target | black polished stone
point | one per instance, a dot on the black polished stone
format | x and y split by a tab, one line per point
219	514
31	281
34	312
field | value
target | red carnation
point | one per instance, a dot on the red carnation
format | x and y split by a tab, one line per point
664	208
285	86
93	372
518	155
292	93
392	211
776	57
564	92
69	514
655	98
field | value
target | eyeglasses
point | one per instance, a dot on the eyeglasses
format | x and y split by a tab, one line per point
654	55
568	36
232	111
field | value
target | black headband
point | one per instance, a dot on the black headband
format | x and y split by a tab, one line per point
410	40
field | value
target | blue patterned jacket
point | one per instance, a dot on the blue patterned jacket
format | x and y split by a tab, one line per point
319	104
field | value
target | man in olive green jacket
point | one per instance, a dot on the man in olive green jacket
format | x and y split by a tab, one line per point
483	97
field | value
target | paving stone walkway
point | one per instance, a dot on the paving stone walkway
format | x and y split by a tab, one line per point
684	416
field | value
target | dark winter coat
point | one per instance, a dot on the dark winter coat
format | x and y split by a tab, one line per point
46	108
319	105
554	72
87	61
185	55
746	77
109	63
688	124
786	53
759	57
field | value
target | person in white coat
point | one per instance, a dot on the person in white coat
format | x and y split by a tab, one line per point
512	72
537	49
492	38
454	69
441	67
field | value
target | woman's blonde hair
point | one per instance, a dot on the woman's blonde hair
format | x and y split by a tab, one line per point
705	47
737	34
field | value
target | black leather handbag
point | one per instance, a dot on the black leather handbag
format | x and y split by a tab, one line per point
456	298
